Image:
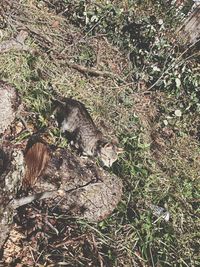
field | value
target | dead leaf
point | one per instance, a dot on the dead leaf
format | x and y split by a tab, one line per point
19	127
55	24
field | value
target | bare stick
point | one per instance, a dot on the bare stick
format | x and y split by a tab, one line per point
39	196
94	72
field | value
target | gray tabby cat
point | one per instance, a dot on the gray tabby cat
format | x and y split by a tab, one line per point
74	119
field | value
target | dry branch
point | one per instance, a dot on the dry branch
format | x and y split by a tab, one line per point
94	72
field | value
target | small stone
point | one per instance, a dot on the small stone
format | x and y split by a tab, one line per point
165	122
178	113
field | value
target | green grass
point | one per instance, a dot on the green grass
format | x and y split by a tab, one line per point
161	163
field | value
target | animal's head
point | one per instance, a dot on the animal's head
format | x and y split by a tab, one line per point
108	153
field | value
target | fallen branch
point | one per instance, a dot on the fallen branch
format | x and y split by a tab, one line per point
85	70
94	72
91	71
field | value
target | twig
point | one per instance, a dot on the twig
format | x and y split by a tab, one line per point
82	69
24	123
97	252
94	72
39	196
70	241
52	227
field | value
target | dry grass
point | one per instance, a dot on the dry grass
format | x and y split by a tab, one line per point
160	166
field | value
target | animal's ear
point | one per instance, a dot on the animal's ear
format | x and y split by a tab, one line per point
120	150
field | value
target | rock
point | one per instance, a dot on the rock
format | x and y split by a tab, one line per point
10	182
76	186
9	103
88	191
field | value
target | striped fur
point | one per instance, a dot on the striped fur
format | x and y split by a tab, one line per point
74	119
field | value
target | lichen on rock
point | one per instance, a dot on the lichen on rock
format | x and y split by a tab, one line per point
9	103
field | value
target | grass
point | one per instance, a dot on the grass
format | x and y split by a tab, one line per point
161	162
